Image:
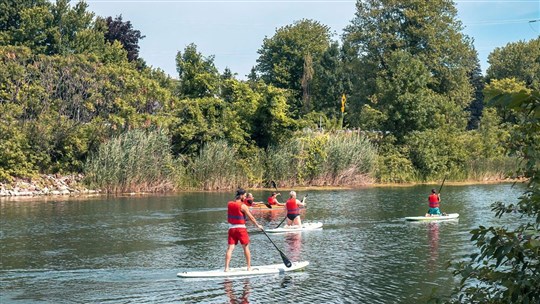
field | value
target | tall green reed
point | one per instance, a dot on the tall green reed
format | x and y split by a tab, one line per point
135	161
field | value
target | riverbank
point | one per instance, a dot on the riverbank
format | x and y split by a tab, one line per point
71	185
46	185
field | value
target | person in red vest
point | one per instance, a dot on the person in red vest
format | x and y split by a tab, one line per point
434	200
237	212
293	210
272	200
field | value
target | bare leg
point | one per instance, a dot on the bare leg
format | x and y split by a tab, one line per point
247	253
297	221
289	222
228	256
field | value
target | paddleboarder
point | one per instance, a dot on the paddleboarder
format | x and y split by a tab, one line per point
237	212
293	210
434	200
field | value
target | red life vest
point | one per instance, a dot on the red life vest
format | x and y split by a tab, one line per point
272	200
292	207
235	215
433	201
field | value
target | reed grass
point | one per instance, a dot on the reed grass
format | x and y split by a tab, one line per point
216	167
322	159
135	161
498	168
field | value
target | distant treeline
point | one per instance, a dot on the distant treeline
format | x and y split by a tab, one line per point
75	97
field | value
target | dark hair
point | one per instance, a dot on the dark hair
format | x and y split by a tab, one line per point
433	190
240	191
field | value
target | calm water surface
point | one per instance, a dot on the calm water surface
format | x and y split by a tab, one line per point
129	249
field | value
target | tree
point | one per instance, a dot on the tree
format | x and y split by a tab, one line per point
272	123
329	83
198	75
477	105
426	31
57	29
519	60
289	56
123	32
10	16
506	268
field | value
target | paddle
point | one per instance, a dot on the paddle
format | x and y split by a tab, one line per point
303	200
441	185
285	259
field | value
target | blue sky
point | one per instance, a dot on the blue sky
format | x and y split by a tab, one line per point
233	30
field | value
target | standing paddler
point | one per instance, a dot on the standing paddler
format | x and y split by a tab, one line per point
237	212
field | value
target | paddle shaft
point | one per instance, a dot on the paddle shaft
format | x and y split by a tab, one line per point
440	188
285	259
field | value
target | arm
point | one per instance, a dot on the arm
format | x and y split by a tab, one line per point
245	209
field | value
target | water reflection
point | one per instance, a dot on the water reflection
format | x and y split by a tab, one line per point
433	234
293	243
232	295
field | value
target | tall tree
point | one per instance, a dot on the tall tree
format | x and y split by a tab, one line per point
282	61
519	60
198	75
56	29
384	31
124	32
10	16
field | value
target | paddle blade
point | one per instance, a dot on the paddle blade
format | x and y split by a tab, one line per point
268	205
273	184
286	261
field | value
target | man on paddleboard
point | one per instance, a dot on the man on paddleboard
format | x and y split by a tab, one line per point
293	210
434	200
237	212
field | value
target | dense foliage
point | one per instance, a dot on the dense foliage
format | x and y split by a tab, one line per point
72	84
506	269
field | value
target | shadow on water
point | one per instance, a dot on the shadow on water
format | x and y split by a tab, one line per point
129	249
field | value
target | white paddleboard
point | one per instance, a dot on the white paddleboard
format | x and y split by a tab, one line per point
304	227
242	271
449	216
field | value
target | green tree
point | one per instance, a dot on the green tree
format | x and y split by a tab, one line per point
428	32
506	268
519	60
329	83
58	29
198	75
10	16
272	122
289	57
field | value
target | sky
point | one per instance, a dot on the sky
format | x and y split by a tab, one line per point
233	30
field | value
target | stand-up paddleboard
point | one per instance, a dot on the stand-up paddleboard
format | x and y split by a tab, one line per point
449	216
304	227
241	271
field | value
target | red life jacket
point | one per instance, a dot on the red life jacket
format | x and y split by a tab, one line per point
433	201
272	200
235	215
292	207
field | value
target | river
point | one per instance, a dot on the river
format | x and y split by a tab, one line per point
129	249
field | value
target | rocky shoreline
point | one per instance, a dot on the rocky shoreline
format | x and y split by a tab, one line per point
45	185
